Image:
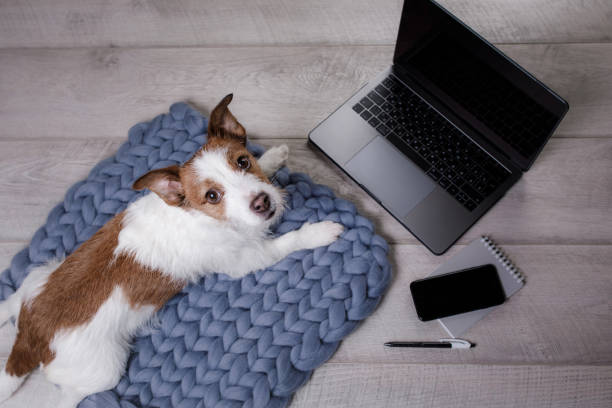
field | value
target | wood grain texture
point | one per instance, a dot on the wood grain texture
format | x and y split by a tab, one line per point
418	385
74	23
44	177
279	91
565	198
443	386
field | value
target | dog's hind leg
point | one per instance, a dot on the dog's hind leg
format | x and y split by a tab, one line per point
20	363
31	286
273	159
22	359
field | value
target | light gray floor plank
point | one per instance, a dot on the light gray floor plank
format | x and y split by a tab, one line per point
279	91
43	172
70	23
565	198
415	385
443	386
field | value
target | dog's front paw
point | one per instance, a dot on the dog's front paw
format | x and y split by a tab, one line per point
319	234
274	158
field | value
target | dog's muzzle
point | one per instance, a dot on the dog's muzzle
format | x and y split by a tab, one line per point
262	206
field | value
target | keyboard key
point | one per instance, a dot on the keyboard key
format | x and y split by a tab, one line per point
382	90
451	175
480	186
366	115
470	205
467	189
452	190
366	102
387	82
383	130
374	122
375	110
358	108
434	174
376	98
489	188
443	182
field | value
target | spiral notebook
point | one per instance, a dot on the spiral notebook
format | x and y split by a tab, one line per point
480	252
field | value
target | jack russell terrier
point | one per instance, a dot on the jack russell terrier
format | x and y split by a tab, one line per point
76	318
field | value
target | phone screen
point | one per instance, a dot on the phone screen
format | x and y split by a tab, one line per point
457	292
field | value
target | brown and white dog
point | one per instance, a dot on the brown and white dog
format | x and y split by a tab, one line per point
76	318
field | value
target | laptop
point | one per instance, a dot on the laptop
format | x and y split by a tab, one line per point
440	136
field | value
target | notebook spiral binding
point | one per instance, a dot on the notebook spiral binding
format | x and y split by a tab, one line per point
499	254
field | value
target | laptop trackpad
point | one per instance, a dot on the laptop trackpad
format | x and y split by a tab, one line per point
395	180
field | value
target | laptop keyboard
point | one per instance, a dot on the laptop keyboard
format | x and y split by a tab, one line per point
443	152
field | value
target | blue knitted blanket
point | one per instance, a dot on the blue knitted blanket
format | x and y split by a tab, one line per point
224	343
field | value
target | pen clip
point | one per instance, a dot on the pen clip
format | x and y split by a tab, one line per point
458	343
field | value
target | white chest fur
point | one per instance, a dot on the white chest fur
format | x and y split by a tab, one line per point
181	243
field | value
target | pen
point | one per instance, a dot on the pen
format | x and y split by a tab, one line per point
442	343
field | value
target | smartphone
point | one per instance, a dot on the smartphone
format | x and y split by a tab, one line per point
457	292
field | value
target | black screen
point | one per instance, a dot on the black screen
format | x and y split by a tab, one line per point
457	292
508	106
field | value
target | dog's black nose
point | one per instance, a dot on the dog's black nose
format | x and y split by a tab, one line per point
261	204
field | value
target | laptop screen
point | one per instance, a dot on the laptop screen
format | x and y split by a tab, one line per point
493	94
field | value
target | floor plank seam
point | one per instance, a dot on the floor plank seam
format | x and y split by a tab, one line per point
471	364
281	45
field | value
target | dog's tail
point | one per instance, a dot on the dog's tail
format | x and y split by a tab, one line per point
29	289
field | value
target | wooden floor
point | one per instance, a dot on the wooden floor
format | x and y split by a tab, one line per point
76	74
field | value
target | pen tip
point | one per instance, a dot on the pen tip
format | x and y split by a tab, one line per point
388	344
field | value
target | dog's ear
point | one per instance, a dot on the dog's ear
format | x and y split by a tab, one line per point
165	182
223	124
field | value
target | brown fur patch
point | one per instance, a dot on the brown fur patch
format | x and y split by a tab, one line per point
195	194
164	182
75	291
223	124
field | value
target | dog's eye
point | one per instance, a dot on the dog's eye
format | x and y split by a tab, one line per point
243	162
213	196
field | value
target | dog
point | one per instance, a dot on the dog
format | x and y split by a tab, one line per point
76	318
